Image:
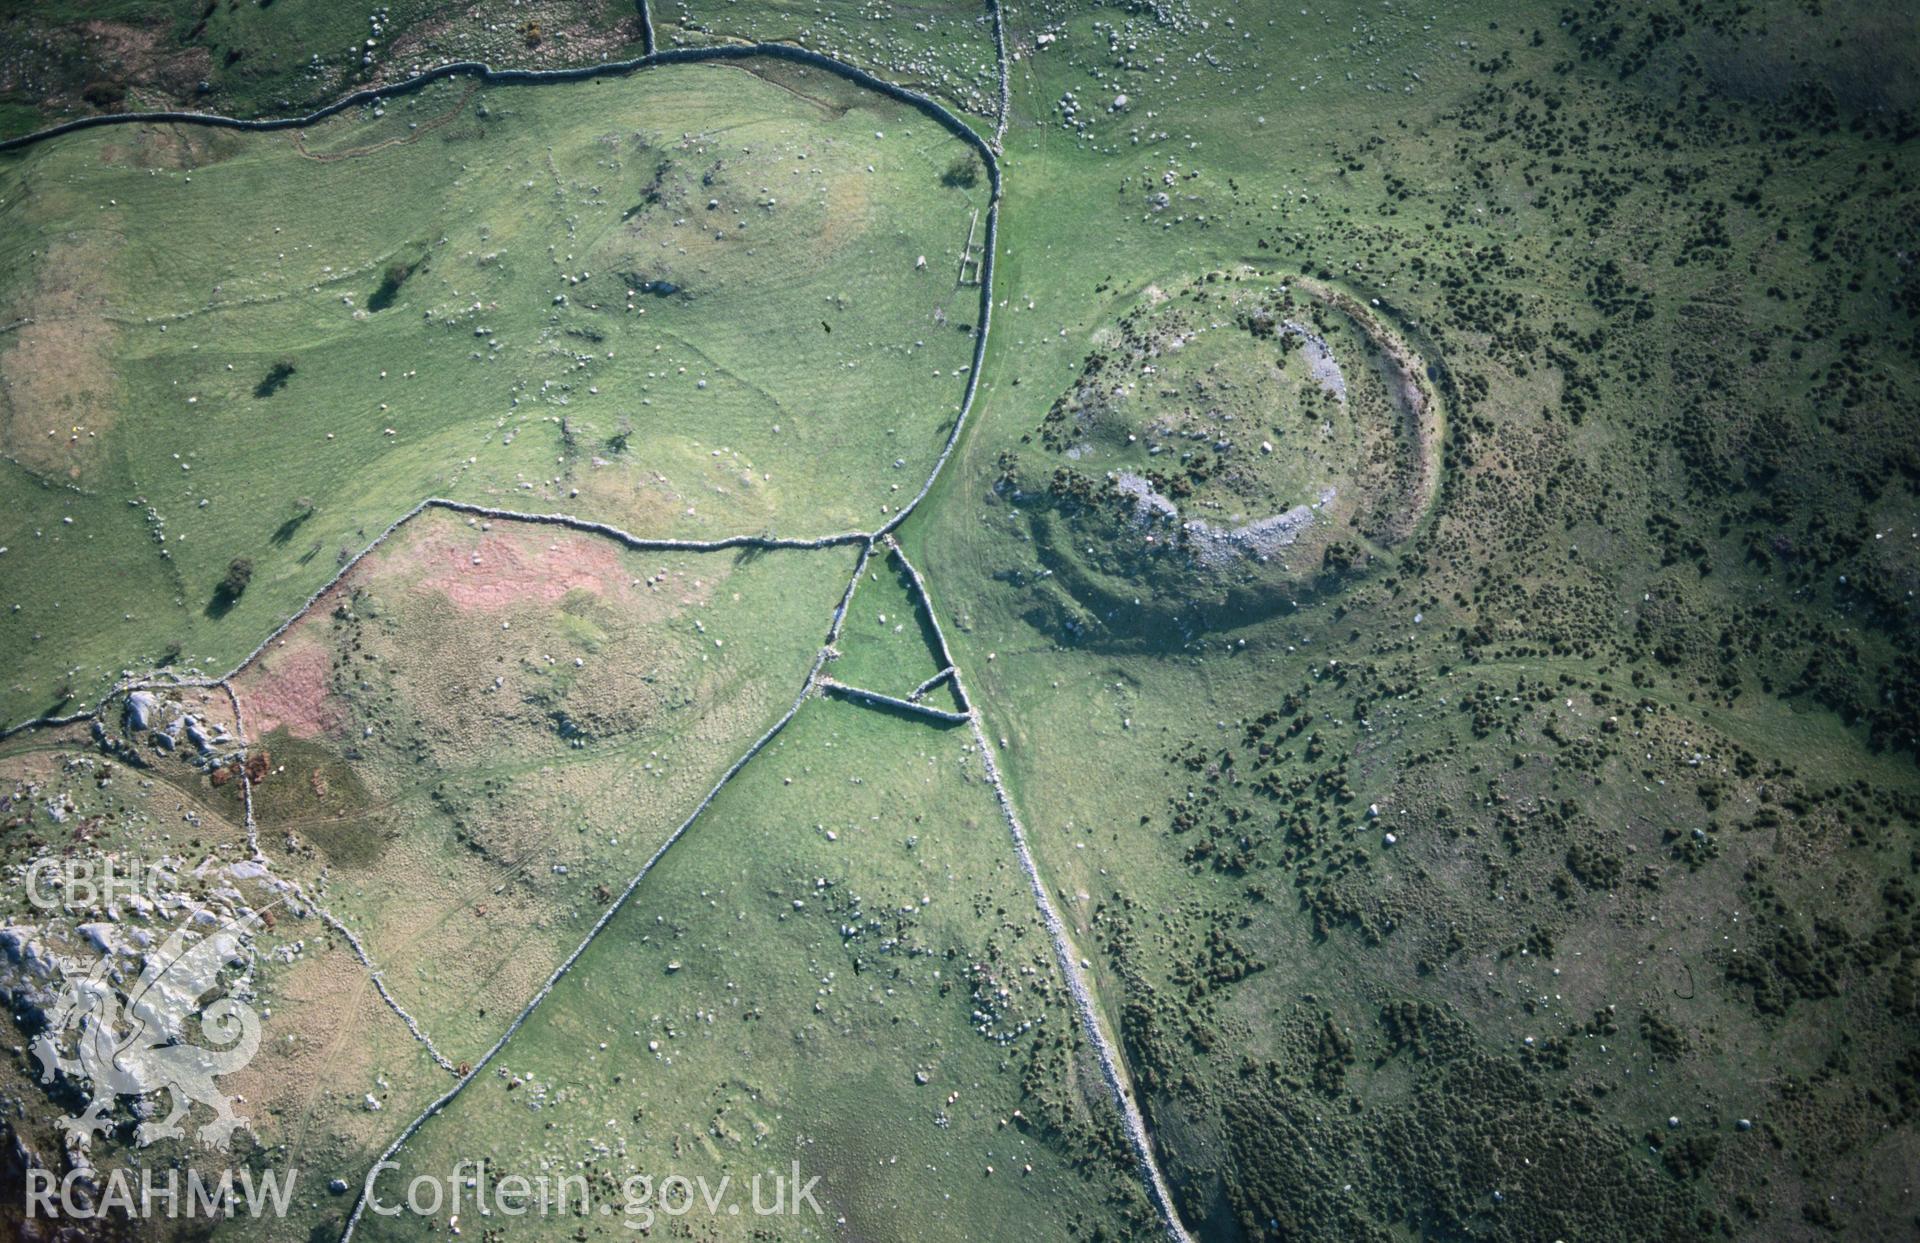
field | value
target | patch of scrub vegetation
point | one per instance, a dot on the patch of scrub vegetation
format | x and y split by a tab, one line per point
840	966
1225	449
313	791
477	737
518	340
396	275
276	378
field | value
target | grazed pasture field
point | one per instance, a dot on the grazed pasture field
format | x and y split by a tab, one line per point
845	971
684	302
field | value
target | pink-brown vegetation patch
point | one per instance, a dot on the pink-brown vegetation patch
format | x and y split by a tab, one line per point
291	688
491	571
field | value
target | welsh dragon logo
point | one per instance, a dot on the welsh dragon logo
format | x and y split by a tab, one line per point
140	1043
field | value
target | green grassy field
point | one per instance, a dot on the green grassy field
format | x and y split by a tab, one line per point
839	967
886	644
679	322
